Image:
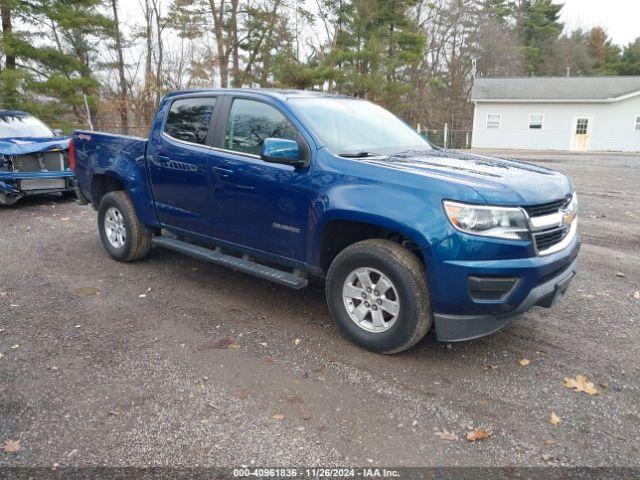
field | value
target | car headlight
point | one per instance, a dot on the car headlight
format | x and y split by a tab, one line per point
499	222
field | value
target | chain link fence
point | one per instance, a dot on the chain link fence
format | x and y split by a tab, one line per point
448	138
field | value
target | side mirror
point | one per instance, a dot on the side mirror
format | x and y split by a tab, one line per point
57	132
280	150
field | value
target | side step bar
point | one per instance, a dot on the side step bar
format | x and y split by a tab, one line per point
244	264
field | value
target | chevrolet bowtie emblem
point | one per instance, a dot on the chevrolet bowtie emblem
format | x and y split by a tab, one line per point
568	218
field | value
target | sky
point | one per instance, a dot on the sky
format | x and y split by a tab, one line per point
620	18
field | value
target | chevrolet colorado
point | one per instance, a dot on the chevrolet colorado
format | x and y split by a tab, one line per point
288	185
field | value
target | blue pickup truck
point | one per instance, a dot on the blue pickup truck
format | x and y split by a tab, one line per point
34	159
293	185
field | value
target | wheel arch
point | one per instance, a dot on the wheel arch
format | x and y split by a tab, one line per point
129	177
340	229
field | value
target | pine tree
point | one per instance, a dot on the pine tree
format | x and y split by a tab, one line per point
539	26
630	61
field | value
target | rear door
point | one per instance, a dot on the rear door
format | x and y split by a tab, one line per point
179	162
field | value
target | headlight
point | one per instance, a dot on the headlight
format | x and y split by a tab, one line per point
498	222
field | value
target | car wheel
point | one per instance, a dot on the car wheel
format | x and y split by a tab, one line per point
122	234
377	293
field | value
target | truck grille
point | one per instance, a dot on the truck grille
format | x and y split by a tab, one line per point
547	208
549	238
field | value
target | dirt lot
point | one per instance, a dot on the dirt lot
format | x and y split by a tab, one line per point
112	364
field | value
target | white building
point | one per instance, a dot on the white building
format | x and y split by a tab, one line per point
557	113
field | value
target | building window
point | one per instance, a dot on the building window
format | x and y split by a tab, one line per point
493	120
637	128
582	126
536	121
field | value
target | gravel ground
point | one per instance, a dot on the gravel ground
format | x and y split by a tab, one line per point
106	363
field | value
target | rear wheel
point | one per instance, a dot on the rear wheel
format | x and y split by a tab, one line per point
377	293
122	234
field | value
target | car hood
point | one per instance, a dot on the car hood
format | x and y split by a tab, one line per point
498	181
25	145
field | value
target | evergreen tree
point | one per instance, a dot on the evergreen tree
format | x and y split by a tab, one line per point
539	27
630	61
48	77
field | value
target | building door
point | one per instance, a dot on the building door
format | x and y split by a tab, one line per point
581	134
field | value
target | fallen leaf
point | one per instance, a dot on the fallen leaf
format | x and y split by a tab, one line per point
477	434
524	362
620	274
13	347
88	291
227	342
548	457
550	442
297	341
637	295
492	366
447	435
270	360
278	416
294	399
1	355
11	446
554	419
581	384
65	219
242	393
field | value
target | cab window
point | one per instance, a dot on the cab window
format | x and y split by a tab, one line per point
189	119
250	122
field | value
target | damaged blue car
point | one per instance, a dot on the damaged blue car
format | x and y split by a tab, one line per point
34	159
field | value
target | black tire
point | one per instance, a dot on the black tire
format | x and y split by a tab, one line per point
137	240
406	272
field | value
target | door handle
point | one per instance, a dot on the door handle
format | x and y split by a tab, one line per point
161	159
223	172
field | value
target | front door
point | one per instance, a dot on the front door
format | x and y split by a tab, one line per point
581	134
260	205
179	165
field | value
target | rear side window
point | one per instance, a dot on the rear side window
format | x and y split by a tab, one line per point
189	119
250	122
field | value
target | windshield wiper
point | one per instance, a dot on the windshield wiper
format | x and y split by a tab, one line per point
359	155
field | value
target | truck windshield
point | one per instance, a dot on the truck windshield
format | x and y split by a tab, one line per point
21	125
357	128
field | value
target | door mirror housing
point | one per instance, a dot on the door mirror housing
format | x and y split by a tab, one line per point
282	151
57	132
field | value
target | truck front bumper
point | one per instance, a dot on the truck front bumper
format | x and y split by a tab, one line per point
538	281
15	185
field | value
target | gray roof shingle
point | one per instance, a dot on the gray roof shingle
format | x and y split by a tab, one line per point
554	88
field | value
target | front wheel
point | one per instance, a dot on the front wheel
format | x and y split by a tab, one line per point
122	234
377	293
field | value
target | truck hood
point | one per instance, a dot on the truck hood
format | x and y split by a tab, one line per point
498	181
26	145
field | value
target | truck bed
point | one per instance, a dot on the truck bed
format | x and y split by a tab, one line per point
98	153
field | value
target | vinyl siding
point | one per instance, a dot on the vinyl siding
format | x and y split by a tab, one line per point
612	127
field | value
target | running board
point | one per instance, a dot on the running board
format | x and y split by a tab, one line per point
244	264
